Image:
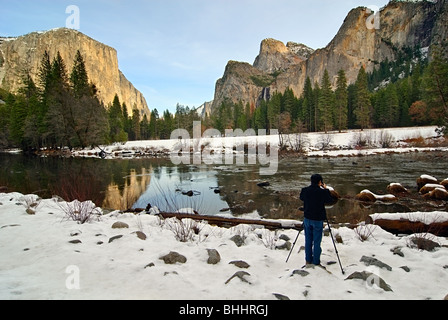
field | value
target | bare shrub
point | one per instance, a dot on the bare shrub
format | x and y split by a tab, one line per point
386	140
242	230
422	241
325	141
297	142
81	212
365	231
362	140
184	230
269	239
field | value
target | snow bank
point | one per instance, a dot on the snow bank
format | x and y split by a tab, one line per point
424	217
336	144
47	256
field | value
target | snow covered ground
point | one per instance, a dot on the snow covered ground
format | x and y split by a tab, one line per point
46	256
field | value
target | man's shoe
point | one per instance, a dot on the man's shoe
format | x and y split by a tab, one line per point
308	265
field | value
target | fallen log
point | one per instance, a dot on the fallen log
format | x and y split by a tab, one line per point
232	222
405	226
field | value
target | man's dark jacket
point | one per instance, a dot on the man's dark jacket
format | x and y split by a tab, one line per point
315	198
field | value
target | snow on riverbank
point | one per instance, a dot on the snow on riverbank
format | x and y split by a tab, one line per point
46	256
313	144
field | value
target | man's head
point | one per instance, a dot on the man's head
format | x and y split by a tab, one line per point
316	179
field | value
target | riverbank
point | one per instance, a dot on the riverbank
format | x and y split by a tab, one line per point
46	256
350	143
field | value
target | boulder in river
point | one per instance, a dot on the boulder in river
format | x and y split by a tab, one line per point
425	179
397	189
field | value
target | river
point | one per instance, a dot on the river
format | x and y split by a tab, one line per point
233	190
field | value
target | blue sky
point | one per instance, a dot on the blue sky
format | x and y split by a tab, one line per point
174	51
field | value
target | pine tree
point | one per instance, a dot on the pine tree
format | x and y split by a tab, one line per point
167	125
341	102
308	106
45	75
32	125
237	112
59	113
363	104
416	82
315	103
393	114
136	130
326	104
260	116
289	103
89	122
79	78
116	121
435	88
144	128
273	110
351	105
59	78
240	117
379	108
17	118
248	116
154	124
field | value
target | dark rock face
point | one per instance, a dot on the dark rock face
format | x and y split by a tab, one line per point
356	44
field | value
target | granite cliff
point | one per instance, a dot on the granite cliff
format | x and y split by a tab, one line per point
361	41
24	54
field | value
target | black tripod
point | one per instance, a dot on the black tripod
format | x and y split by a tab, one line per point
334	243
336	249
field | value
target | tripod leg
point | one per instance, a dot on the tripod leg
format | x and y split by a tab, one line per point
294	244
335	248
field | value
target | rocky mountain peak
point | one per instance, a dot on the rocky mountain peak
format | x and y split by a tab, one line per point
401	25
276	56
299	49
25	53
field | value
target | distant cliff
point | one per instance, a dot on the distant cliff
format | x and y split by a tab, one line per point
24	54
401	25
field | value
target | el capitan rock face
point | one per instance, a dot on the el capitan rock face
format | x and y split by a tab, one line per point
278	67
25	53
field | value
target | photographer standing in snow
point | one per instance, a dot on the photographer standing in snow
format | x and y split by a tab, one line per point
315	197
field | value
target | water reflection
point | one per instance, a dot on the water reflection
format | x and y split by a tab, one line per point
124	197
209	189
181	187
